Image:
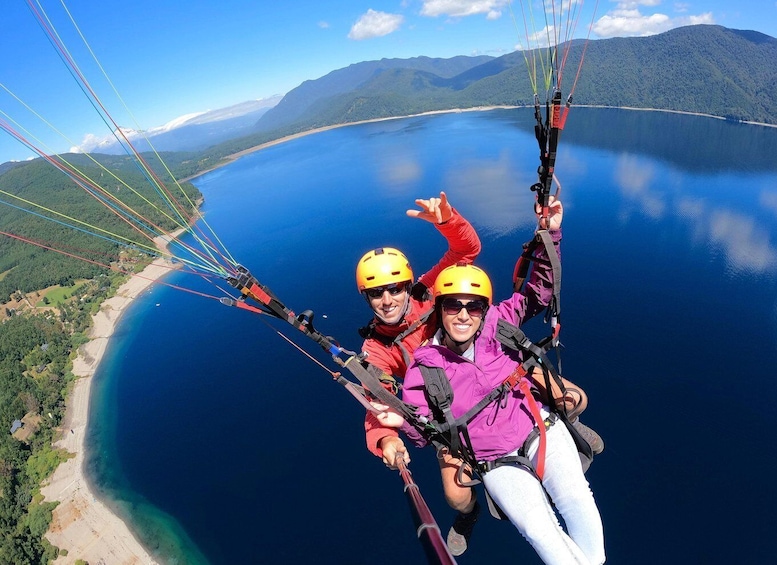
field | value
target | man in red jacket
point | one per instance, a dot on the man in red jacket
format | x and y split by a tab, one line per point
403	319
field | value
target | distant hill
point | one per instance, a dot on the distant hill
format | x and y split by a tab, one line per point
303	100
703	68
194	132
7	166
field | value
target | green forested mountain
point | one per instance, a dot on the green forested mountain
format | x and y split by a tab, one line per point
706	69
27	267
35	375
297	102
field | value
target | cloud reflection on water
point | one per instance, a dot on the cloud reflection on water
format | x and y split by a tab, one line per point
401	172
494	193
743	238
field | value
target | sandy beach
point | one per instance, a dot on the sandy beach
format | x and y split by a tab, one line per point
82	524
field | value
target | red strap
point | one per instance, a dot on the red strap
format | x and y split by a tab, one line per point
515	377
258	294
535	412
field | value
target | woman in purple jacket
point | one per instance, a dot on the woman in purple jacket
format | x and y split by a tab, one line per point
504	438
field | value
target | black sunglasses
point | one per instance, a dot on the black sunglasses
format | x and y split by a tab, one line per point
452	306
393	290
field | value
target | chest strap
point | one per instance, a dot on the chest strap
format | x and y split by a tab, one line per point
370	332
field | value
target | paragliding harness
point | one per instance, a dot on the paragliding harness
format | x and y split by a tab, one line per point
451	433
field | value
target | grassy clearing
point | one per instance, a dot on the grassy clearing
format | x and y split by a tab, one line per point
59	294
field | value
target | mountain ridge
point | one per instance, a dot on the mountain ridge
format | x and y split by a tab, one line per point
701	69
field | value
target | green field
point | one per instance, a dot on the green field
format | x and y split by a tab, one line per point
59	294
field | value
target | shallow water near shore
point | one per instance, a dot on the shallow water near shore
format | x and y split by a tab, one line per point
224	445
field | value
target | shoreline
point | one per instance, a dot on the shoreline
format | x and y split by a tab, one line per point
82	523
235	156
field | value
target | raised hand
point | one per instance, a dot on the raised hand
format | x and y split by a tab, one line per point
434	210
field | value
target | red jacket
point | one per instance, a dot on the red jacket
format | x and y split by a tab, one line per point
394	359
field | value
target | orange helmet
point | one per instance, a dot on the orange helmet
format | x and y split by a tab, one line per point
381	267
463	279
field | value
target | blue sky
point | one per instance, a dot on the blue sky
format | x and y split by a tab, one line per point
169	58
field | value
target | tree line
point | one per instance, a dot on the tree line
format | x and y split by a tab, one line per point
25	267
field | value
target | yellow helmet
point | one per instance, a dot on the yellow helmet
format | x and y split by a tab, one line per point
463	279
381	267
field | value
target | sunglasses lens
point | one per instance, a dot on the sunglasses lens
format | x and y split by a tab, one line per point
476	307
451	307
393	290
473	307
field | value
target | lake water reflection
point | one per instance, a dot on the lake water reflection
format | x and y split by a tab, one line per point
230	447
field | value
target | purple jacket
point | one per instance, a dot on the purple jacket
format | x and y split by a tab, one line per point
499	428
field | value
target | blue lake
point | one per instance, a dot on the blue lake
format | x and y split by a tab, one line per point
223	444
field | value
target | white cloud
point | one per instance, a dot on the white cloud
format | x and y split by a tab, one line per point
375	24
541	38
461	8
94	143
635	179
628	20
402	171
323	25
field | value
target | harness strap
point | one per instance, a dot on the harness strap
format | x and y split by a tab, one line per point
438	390
529	255
554	308
513	338
535	412
369	332
440	396
518	460
521	271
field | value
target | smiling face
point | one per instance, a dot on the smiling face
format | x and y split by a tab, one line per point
389	302
462	315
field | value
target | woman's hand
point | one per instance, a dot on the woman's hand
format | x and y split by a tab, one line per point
555	214
387	417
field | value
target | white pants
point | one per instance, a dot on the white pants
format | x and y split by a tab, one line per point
522	498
